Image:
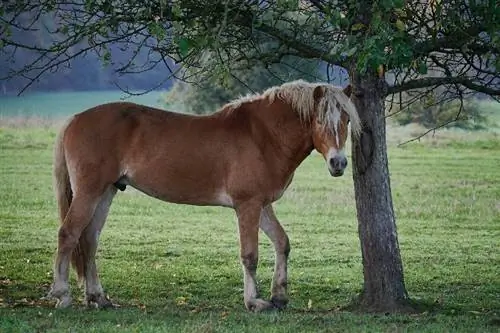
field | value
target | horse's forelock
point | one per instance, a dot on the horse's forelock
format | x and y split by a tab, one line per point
339	102
308	101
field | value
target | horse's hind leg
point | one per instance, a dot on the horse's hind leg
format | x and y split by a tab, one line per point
94	293
78	217
248	222
273	229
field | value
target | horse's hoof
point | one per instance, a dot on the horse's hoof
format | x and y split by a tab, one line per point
106	304
63	302
100	302
279	303
259	305
62	297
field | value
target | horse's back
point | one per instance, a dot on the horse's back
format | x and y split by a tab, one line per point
126	124
123	116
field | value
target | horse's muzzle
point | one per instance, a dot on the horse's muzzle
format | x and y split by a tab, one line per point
337	165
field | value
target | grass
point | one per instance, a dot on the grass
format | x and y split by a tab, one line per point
175	268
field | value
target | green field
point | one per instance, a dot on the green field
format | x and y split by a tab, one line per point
175	268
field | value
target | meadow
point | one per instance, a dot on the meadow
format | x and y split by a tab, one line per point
175	268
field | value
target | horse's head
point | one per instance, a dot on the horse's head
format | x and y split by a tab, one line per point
330	124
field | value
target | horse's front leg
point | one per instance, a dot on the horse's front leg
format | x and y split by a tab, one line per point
248	222
273	229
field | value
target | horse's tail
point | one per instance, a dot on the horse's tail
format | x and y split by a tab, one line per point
62	186
64	195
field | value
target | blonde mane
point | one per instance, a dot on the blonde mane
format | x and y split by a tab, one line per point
300	95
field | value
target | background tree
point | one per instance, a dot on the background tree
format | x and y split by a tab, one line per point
208	93
387	46
432	113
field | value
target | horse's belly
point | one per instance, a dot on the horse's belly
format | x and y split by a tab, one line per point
191	193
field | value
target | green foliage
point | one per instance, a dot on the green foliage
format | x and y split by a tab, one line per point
175	268
430	113
291	5
184	46
156	30
386	40
106	57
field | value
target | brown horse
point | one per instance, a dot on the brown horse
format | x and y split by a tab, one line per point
243	156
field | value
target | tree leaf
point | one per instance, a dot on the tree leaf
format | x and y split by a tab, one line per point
400	25
422	68
156	30
357	27
351	51
184	46
398	3
106	57
400	12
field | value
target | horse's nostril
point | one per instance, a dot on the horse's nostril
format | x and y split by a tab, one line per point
333	163
343	163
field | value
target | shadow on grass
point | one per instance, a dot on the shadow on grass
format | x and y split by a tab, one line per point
16	294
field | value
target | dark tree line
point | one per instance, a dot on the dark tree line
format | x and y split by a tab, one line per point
84	72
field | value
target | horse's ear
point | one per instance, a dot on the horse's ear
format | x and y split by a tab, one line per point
318	93
348	90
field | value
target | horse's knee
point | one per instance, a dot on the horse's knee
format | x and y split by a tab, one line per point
250	261
66	238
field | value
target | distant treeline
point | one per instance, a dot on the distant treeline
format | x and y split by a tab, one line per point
83	73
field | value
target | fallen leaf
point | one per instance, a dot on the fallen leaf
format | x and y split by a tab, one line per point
180	301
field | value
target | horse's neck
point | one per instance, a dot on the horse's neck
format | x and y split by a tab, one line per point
289	140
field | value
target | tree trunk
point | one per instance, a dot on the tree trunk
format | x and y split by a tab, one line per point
384	289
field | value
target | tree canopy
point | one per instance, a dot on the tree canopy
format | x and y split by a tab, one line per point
418	43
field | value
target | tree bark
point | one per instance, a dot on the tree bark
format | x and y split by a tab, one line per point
384	288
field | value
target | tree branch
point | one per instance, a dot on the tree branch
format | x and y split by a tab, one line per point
435	81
